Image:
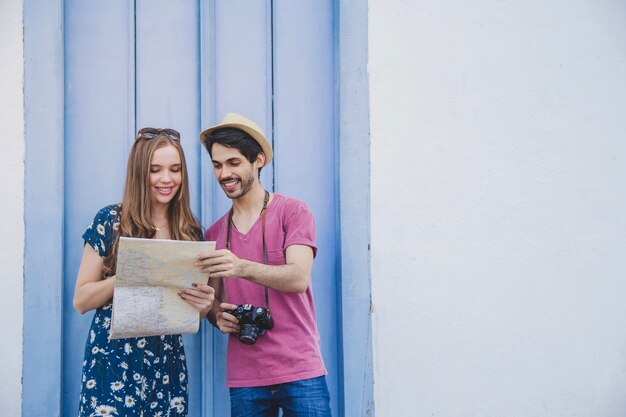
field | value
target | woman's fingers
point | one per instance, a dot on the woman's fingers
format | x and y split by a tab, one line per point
201	296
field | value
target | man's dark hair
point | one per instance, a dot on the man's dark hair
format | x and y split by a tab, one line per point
234	138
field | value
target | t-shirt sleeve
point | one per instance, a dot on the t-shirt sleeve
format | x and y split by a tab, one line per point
299	226
101	232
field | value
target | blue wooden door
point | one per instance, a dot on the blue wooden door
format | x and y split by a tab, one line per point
184	64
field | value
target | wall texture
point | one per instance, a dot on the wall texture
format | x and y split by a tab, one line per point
12	206
497	226
498	199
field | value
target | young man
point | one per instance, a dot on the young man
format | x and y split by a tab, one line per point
264	256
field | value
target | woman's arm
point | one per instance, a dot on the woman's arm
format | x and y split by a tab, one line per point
91	290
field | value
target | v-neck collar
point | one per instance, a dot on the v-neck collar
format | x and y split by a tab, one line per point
254	225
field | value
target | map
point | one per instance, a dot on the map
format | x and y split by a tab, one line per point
150	274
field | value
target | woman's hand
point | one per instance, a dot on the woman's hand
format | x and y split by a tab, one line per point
200	296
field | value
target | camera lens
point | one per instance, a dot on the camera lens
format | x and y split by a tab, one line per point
248	334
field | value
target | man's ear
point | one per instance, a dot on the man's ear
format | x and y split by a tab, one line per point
260	159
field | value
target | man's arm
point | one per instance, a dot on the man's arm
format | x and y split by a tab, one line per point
294	276
217	316
91	291
215	308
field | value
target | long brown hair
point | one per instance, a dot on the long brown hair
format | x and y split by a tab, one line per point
135	219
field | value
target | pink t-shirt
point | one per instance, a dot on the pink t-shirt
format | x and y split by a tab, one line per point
291	350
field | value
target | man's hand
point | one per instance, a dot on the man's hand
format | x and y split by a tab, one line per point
221	264
293	276
226	322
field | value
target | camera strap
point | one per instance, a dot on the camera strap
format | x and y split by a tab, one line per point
230	224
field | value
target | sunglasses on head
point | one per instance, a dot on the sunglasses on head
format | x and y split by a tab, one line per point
152	132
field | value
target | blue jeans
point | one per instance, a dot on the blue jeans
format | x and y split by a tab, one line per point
306	398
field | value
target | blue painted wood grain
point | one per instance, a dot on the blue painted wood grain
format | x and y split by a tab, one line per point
99	128
354	200
206	56
167	95
118	67
304	138
43	208
241	69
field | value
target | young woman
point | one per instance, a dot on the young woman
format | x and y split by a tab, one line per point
138	376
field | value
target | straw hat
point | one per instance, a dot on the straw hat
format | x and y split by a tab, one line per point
237	121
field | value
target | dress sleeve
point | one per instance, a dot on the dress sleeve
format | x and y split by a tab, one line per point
100	234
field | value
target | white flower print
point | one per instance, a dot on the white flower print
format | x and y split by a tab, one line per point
129	402
153	366
104	411
176	401
141	394
113	212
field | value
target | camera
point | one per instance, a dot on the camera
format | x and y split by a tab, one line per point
253	322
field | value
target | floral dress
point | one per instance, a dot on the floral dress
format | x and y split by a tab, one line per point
145	376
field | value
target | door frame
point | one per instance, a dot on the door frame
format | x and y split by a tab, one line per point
44	207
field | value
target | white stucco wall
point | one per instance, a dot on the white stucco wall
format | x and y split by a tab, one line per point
12	206
498	202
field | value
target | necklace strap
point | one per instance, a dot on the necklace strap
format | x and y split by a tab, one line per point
266	200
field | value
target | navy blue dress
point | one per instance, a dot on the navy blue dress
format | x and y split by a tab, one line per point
144	376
